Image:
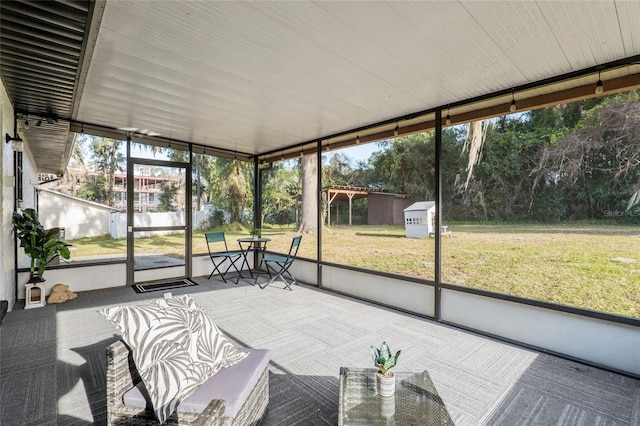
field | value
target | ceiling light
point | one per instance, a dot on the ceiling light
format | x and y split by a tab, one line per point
447	119
26	121
512	107
599	87
396	130
357	138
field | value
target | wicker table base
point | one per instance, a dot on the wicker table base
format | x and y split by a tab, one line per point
416	400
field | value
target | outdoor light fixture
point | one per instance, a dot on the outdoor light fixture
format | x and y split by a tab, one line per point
447	119
357	138
512	107
396	130
16	142
82	129
26	121
599	87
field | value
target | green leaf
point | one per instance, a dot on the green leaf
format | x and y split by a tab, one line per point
382	358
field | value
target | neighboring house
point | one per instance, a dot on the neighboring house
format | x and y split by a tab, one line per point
147	188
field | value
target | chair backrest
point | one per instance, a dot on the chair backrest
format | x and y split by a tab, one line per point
295	244
215	237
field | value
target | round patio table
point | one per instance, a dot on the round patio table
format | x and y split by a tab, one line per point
256	244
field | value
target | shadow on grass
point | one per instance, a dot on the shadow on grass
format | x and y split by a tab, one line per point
365	234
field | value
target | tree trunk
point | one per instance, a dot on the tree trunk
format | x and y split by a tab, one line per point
309	210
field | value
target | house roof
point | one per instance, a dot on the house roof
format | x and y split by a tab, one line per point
271	78
78	200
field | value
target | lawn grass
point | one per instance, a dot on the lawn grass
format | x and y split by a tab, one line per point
576	265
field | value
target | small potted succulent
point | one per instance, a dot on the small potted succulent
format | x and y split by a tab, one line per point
384	361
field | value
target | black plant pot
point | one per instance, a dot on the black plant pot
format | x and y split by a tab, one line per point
35	279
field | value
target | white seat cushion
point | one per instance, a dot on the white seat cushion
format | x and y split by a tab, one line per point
232	384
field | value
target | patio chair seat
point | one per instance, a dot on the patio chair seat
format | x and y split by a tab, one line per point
280	259
280	265
236	395
219	257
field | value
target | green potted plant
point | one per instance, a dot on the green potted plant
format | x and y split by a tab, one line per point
384	361
256	232
41	245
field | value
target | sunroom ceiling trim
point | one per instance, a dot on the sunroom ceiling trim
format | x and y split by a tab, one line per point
617	78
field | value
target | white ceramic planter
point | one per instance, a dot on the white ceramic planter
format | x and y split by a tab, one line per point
386	386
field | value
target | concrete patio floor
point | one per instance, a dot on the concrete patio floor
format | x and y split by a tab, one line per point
310	333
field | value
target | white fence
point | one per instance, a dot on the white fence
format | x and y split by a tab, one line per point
81	218
118	222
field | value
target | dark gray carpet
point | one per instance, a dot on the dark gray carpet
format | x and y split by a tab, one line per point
28	391
52	361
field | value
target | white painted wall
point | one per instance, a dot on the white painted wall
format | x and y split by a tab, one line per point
81	279
79	218
7	270
30	183
307	272
201	266
29	197
609	344
413	297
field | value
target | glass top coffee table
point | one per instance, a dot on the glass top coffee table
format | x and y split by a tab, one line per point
416	401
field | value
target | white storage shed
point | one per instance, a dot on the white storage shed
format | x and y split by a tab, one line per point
419	219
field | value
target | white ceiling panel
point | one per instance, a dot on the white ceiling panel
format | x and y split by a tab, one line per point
259	76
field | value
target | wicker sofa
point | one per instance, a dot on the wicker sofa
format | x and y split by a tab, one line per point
246	381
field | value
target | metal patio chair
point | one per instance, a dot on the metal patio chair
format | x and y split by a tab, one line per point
219	257
280	265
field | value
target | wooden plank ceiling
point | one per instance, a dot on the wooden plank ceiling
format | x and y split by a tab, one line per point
260	77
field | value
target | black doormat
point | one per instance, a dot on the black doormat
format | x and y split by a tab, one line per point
145	288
